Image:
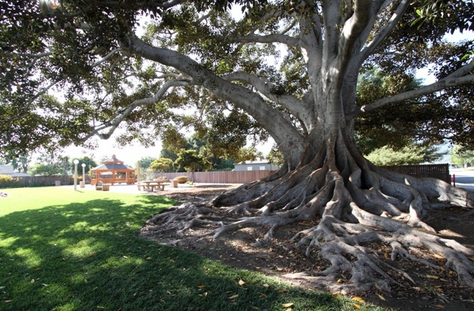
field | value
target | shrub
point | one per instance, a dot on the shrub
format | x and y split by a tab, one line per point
181	179
10	182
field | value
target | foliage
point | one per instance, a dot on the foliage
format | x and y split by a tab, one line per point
275	157
457	13
90	164
461	156
413	154
191	161
46	170
399	124
220	157
10	182
5	178
20	162
145	162
162	165
72	49
51	163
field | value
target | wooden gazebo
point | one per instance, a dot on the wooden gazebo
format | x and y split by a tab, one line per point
112	171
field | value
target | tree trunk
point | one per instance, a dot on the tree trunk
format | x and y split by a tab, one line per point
347	204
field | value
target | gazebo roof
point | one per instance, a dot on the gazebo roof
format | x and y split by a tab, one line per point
112	164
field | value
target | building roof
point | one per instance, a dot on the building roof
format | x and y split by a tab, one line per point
6	169
113	160
112	164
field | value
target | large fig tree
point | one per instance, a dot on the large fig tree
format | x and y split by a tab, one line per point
289	67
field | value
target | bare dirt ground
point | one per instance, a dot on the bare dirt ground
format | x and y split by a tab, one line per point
434	289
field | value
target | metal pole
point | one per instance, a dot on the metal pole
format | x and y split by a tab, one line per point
83	182
75	174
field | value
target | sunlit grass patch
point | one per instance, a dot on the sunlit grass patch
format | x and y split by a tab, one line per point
81	251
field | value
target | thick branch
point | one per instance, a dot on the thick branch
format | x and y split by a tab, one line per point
264	86
280	129
114	123
438	86
385	31
270	39
106	57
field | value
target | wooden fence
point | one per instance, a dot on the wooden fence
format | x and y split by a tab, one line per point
40	181
439	171
221	177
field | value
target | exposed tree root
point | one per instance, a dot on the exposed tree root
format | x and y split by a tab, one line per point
360	212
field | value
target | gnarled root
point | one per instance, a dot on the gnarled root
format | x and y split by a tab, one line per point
362	221
181	218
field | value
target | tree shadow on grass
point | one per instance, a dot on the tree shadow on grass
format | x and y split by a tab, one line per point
88	256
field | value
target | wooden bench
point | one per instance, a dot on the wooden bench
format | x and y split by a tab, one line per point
100	186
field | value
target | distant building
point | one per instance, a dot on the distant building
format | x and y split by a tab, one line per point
9	171
113	171
256	166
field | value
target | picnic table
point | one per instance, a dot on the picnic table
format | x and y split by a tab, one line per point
152	185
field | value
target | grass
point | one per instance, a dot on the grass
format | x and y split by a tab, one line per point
79	250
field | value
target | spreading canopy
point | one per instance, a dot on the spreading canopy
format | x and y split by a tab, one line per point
107	70
285	68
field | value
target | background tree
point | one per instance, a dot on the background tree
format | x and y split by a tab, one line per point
461	156
145	162
191	161
90	163
288	69
50	164
162	165
414	154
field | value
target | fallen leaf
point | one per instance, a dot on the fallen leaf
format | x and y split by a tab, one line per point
358	299
201	286
381	297
266	285
233	296
8	301
356	306
262	295
288	305
148	258
386	255
434	277
440	306
241	283
32	281
281	291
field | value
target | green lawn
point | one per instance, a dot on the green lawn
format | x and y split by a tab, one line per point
62	249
